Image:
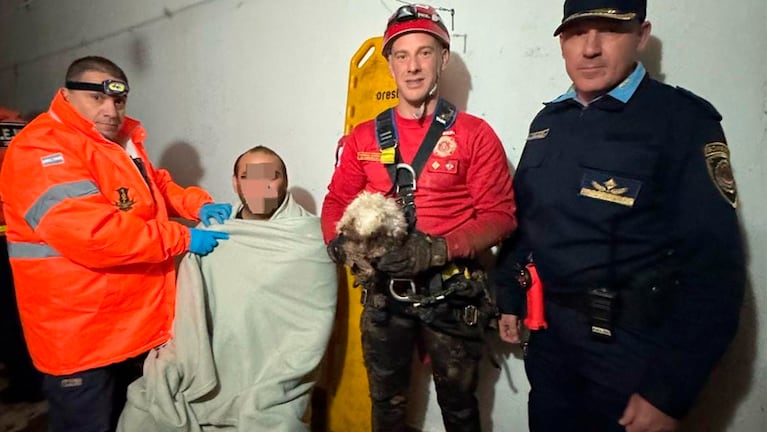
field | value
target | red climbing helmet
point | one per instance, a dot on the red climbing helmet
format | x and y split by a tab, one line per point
414	18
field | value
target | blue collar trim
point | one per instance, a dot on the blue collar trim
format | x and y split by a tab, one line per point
622	92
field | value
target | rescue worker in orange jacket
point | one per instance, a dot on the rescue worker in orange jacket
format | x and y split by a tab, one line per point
91	244
24	382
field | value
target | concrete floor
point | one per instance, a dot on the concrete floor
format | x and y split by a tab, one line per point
22	417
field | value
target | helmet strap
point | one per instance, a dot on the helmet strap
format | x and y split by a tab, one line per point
421	113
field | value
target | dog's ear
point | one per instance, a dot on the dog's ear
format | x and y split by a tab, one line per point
345	225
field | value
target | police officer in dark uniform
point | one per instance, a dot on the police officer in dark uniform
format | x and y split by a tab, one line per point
627	209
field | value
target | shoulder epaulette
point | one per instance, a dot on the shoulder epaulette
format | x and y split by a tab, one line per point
706	105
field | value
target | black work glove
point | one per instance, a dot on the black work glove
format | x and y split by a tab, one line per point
336	250
419	253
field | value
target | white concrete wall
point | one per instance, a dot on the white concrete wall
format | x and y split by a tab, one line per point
211	78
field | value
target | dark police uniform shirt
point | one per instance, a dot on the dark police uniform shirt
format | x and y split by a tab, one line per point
639	178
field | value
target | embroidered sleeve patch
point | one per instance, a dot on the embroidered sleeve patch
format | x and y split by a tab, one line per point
605	187
369	156
54	159
718	163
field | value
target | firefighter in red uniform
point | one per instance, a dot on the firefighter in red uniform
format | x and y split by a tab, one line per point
24	382
91	244
451	174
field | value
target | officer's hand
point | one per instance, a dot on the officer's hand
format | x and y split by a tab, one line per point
641	416
508	328
218	211
420	252
336	250
203	241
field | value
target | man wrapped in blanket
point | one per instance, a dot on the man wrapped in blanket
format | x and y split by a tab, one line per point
252	319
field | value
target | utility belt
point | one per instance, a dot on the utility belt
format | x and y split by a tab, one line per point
453	299
640	304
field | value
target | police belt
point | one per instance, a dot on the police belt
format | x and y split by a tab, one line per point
631	306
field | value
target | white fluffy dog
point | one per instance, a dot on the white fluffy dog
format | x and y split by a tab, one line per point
372	225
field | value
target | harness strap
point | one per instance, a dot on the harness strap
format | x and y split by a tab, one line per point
404	175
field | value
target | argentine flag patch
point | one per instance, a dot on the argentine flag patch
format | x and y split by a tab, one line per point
54	159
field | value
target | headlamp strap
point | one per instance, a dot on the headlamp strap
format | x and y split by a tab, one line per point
109	87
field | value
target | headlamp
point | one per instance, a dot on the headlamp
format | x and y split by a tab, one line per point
411	12
109	87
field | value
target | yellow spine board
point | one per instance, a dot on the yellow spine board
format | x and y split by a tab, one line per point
371	90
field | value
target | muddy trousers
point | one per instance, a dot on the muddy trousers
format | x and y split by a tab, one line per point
388	347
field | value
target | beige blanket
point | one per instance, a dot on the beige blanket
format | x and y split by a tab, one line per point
252	323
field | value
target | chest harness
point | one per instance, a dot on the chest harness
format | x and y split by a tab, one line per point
404	182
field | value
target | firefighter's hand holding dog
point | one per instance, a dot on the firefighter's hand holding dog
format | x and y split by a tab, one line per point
419	253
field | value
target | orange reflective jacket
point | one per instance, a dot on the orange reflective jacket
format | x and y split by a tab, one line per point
90	241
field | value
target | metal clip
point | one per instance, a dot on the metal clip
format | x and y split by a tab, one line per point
409	168
470	315
399	297
364	297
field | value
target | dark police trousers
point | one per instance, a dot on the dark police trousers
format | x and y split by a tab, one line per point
92	400
578	383
388	347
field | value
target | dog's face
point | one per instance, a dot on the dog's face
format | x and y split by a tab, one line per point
372	225
372	215
363	232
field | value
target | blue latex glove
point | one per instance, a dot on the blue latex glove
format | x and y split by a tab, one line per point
203	241
219	212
